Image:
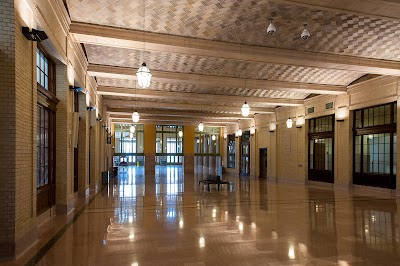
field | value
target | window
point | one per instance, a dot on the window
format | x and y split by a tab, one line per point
207	141
45	142
375	142
127	143
231	151
44	67
321	141
169	146
42	146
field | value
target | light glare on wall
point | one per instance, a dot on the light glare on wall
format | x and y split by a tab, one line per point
272	127
341	114
300	121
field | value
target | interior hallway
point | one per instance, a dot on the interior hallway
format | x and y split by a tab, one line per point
167	219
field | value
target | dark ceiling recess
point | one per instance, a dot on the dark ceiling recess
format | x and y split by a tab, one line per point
364	78
66	7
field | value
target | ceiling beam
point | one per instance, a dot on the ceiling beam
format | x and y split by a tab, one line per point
383	9
133	39
112	103
207	80
171	122
171	118
155	112
196	97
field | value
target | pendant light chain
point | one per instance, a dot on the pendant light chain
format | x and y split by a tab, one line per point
143	74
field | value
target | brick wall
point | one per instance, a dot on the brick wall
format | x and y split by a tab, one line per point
8	130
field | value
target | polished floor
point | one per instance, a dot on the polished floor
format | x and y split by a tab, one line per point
169	220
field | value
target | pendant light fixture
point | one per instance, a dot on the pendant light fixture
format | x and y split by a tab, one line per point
271	28
132	129
306	33
180	133
289	122
245	107
201	126
143	73
135	115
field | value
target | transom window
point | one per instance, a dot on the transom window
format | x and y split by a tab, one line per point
43	70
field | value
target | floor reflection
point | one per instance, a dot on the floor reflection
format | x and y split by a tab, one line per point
168	219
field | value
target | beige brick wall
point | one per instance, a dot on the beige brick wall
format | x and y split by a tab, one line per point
8	130
26	101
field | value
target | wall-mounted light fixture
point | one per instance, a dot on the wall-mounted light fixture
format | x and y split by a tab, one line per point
252	130
341	114
76	89
299	121
99	119
272	127
34	34
91	108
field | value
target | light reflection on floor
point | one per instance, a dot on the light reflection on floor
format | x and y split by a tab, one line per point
168	219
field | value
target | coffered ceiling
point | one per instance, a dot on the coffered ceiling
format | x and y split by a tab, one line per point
215	53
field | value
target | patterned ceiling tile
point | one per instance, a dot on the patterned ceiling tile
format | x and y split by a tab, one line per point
217	66
191	88
246	22
191	102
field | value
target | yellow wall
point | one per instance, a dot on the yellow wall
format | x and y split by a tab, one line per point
188	140
149	139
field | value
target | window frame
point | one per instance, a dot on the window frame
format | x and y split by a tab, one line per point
374	179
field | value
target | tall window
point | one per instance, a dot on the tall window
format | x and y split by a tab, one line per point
231	151
206	142
320	157
45	143
169	145
375	141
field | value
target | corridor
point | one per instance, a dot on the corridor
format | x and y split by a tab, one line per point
169	220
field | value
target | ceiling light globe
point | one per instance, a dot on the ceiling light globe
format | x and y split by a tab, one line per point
289	123
239	132
245	109
132	129
201	126
180	133
135	117
271	28
143	76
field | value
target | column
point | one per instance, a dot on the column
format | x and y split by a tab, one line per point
149	149
94	150
64	150
83	146
17	135
188	149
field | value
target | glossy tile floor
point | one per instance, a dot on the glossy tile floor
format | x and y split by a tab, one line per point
169	220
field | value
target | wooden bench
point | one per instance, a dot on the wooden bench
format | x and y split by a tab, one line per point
214	179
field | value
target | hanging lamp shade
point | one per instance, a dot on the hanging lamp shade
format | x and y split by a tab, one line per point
201	126
239	132
180	133
213	137
289	123
135	117
132	129
245	109
144	76
225	135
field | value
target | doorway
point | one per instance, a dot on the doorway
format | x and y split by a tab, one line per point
263	163
245	154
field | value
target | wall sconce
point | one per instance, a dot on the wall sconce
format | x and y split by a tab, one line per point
91	108
341	114
76	89
272	127
252	130
34	34
300	121
99	119
238	133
